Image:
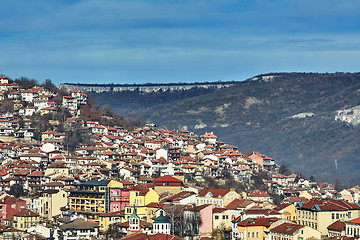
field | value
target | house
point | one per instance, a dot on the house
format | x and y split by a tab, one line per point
222	218
252	228
9	206
50	202
89	198
209	138
78	229
352	228
261	196
181	198
8	232
169	184
292	231
106	219
288	211
24	219
220	197
139	199
70	103
202	217
320	213
336	229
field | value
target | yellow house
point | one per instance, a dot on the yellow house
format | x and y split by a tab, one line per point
140	198
320	213
50	202
292	231
288	211
106	219
25	219
253	228
168	184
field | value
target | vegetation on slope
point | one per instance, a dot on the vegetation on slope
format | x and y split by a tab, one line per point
259	113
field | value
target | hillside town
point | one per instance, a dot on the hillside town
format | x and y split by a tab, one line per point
147	182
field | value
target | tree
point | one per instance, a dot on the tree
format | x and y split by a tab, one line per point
17	190
48	85
175	213
26	83
113	232
219	232
192	223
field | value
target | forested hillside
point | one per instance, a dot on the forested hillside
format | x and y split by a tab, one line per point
290	116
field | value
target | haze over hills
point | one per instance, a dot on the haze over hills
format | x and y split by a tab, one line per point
308	121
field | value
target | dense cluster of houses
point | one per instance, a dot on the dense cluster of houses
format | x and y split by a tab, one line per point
148	183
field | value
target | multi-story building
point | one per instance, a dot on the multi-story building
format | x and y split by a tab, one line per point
219	197
252	228
292	231
9	206
320	213
95	197
139	199
24	219
51	201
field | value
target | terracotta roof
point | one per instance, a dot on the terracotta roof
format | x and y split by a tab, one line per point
266	222
179	196
216	192
328	204
113	214
158	236
355	220
239	203
26	213
36	174
256	211
208	135
287	228
167	178
282	206
337	226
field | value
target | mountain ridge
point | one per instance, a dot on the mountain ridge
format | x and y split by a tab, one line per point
290	116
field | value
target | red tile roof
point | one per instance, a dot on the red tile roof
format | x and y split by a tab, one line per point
337	226
26	213
167	178
328	204
356	220
266	222
239	203
287	228
216	192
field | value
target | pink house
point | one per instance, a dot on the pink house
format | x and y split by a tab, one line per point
119	199
9	206
204	212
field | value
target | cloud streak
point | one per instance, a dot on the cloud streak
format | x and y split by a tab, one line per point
169	41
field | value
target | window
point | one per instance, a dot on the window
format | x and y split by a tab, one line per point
216	217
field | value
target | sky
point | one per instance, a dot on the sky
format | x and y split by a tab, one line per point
158	41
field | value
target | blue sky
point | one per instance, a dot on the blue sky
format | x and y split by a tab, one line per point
176	41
